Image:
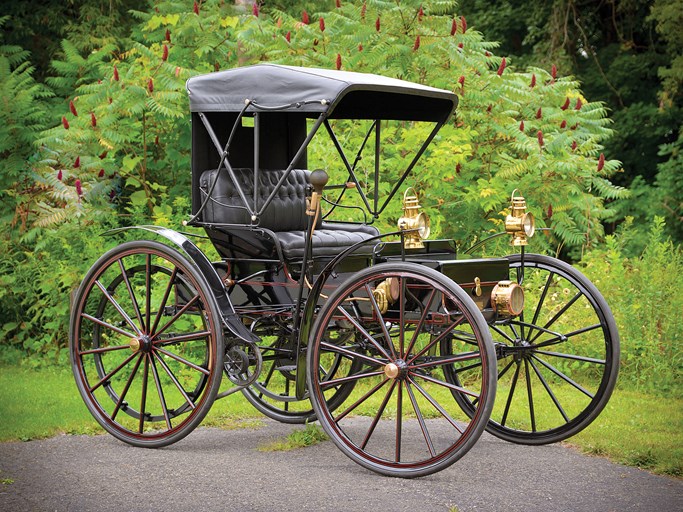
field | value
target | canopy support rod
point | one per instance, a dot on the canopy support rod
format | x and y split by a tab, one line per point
378	124
352	173
224	163
353	167
257	151
410	167
298	155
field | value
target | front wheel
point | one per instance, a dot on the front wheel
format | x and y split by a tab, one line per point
389	321
146	344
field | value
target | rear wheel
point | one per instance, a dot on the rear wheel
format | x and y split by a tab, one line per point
146	344
274	393
400	420
557	362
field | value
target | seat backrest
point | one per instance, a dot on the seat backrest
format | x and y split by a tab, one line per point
286	212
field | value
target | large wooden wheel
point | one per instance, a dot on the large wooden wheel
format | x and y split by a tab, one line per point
557	362
146	344
400	419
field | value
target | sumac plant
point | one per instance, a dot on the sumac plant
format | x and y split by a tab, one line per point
141	134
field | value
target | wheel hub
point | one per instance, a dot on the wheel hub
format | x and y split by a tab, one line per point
141	344
396	370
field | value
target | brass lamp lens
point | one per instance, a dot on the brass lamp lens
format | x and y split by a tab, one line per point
529	225
423	225
516	305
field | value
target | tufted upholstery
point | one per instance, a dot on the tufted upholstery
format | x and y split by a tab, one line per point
286	214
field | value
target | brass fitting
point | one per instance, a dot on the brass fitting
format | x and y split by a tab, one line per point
507	298
520	224
386	293
415	222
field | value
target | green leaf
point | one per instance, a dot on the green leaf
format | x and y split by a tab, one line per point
138	198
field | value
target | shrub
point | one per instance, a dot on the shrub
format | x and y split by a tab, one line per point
644	295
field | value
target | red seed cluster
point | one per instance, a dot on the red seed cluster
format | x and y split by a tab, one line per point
601	162
304	18
72	107
416	46
502	66
339	61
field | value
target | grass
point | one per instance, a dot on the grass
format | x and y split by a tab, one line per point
300	438
35	404
636	429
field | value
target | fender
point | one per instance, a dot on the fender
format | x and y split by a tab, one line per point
202	263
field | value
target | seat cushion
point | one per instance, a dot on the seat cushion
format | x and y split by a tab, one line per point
328	240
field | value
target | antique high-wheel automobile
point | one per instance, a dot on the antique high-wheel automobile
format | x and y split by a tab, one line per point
395	343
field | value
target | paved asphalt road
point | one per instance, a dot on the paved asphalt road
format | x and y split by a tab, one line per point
222	470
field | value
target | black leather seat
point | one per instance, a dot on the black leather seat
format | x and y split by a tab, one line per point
285	216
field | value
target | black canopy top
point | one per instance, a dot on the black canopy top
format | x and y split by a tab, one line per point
342	94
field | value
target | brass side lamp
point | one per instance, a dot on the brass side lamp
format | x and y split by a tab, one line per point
520	224
413	221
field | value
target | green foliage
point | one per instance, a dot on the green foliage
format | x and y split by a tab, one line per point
124	158
644	295
300	438
22	118
629	55
38	272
